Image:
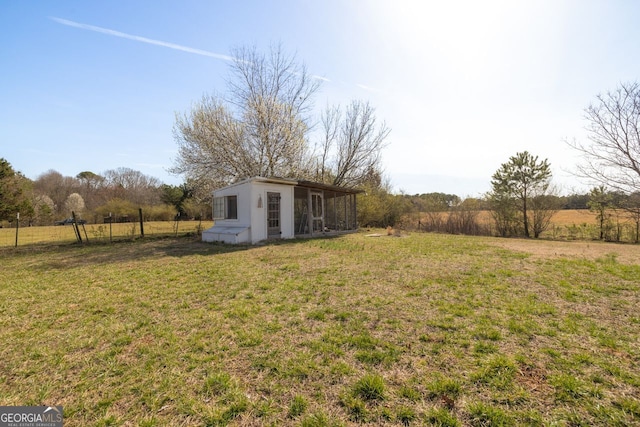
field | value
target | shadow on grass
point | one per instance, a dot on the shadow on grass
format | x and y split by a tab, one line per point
95	254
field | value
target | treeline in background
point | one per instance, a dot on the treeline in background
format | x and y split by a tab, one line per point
117	193
122	195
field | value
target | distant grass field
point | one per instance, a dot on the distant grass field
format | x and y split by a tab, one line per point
424	329
564	217
96	232
572	224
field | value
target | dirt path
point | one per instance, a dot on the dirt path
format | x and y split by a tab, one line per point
624	253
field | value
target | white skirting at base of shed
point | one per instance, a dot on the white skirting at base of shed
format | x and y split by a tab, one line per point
226	234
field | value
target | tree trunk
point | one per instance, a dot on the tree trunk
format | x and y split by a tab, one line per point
526	219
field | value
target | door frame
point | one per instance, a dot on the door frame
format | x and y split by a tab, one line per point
274	232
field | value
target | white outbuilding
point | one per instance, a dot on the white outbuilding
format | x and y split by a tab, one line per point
258	208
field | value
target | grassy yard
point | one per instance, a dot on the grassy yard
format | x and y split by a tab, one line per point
421	329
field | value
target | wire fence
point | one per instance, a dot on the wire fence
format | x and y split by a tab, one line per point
24	235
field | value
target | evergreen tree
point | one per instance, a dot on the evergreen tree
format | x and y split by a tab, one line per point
14	189
521	179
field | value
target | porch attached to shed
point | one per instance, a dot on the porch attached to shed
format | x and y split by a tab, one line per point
323	209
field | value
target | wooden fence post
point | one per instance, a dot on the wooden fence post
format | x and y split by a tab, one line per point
141	224
74	224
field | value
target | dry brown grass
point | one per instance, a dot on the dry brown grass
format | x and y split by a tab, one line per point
563	217
574	216
570	224
96	232
588	250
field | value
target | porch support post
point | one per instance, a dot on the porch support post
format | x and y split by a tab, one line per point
355	212
309	212
323	212
346	215
335	211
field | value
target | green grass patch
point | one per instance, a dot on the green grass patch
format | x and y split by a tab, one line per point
298	406
370	387
481	415
498	372
423	329
440	417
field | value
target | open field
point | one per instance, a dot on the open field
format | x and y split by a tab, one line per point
566	224
97	232
421	329
562	218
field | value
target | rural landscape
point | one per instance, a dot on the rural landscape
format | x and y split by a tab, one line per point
277	275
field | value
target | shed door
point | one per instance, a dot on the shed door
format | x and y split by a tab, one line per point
317	211
273	216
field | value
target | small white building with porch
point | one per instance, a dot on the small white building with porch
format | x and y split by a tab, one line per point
258	209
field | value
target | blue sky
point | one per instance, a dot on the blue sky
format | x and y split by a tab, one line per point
463	85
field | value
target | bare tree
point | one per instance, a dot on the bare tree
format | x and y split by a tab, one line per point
57	187
463	218
356	139
543	207
132	185
90	188
612	155
330	120
43	208
632	206
505	213
258	128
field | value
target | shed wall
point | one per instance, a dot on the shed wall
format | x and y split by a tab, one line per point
259	192
220	228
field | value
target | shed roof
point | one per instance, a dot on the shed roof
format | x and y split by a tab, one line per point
296	182
321	186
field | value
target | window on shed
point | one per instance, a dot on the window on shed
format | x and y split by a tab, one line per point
232	207
225	207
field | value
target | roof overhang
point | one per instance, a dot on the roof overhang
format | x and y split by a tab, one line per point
327	187
296	182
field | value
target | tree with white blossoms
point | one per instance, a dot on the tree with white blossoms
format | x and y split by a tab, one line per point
258	128
74	203
262	125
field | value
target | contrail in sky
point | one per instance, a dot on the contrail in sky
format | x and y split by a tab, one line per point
154	42
141	39
367	88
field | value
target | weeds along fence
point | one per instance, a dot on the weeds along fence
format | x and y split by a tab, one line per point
620	232
563	226
92	233
468	222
